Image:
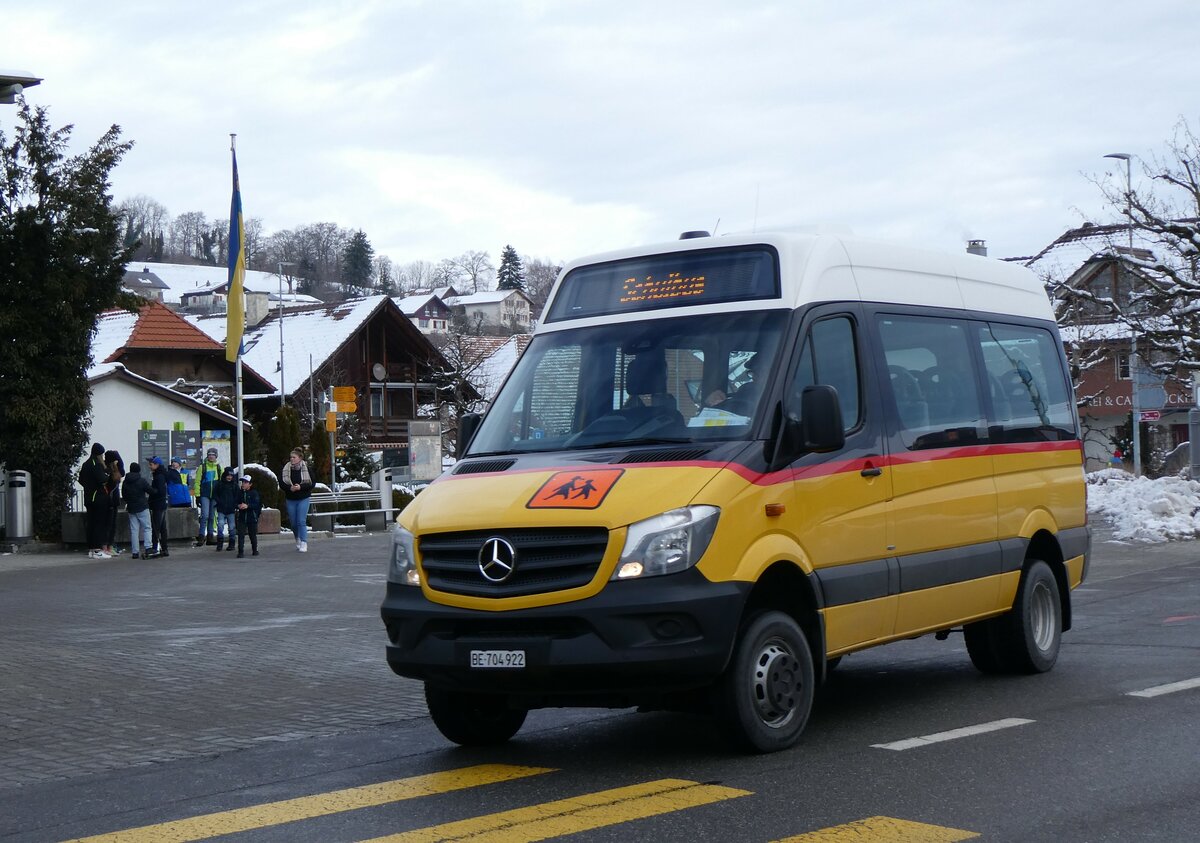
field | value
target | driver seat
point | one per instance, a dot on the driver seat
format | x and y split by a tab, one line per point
646	385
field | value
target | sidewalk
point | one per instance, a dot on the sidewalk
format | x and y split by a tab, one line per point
55	554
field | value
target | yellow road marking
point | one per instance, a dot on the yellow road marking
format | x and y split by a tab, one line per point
883	830
570	816
306	807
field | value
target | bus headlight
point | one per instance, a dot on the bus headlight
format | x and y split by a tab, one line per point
403	566
668	543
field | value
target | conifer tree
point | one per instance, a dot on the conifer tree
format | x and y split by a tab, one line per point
511	274
61	246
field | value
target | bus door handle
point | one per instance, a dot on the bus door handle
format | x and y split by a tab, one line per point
871	470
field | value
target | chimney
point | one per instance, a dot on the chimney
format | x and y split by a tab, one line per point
977	247
257	308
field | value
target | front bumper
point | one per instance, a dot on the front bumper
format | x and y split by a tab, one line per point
632	641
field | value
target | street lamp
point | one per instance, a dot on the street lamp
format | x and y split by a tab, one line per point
13	82
282	264
1135	404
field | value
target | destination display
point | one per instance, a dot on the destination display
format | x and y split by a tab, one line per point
677	279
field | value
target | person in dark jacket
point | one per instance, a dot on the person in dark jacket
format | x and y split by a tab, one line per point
158	508
249	507
93	477
116	474
225	495
136	491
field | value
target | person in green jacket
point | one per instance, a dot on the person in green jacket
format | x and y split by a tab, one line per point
204	485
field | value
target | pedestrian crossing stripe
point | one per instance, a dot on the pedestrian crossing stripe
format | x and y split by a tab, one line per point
883	830
571	816
270	814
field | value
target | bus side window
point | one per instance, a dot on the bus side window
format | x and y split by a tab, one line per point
932	381
1031	399
829	356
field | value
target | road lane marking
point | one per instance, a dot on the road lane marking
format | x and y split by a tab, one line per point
1159	690
953	734
883	830
570	816
306	807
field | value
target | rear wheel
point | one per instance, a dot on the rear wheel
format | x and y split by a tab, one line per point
473	719
766	693
1027	639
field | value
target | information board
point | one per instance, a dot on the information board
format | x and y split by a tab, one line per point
186	445
154	443
425	450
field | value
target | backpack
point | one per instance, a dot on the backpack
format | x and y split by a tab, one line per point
177	493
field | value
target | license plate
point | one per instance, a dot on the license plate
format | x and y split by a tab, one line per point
498	658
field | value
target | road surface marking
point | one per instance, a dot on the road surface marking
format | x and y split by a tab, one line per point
953	734
570	816
1159	690
306	807
883	830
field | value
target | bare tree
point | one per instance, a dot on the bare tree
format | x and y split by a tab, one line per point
475	269
146	221
417	275
1156	299
458	381
186	236
540	276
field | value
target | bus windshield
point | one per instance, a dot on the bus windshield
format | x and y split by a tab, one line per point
686	379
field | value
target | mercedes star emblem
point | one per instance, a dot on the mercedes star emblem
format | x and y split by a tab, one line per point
497	559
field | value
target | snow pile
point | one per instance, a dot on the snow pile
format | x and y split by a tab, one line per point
1140	509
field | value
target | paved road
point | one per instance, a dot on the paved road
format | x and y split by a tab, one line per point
194	692
114	663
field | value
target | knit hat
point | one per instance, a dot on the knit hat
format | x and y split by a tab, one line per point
97	449
176	460
212	452
136	468
156	460
229	472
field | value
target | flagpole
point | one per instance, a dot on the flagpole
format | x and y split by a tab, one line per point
241	429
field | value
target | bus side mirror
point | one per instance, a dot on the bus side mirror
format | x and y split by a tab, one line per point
821	415
468	423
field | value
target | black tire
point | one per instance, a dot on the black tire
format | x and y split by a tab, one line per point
983	648
473	719
766	694
1027	639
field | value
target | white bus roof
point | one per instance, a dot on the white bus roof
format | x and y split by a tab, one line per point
834	267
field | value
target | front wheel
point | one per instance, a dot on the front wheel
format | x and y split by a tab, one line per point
473	719
766	693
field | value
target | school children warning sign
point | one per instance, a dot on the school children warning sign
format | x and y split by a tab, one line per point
583	489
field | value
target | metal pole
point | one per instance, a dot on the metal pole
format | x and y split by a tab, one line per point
1134	367
281	335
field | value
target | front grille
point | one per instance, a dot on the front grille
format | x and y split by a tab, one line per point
546	560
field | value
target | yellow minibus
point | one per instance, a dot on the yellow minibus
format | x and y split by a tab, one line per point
723	464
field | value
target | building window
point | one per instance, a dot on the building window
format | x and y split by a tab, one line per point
424	323
1123	365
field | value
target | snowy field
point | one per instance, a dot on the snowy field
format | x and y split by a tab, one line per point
1143	510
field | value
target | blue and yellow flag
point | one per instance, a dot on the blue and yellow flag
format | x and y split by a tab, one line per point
236	311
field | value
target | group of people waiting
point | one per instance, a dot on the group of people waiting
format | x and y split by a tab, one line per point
228	505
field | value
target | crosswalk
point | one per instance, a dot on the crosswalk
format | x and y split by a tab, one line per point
541	821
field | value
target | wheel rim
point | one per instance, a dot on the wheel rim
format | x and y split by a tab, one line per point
777	683
1043	615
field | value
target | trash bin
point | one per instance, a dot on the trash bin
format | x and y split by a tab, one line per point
381	481
18	515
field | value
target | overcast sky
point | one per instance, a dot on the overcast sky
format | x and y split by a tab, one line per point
576	126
